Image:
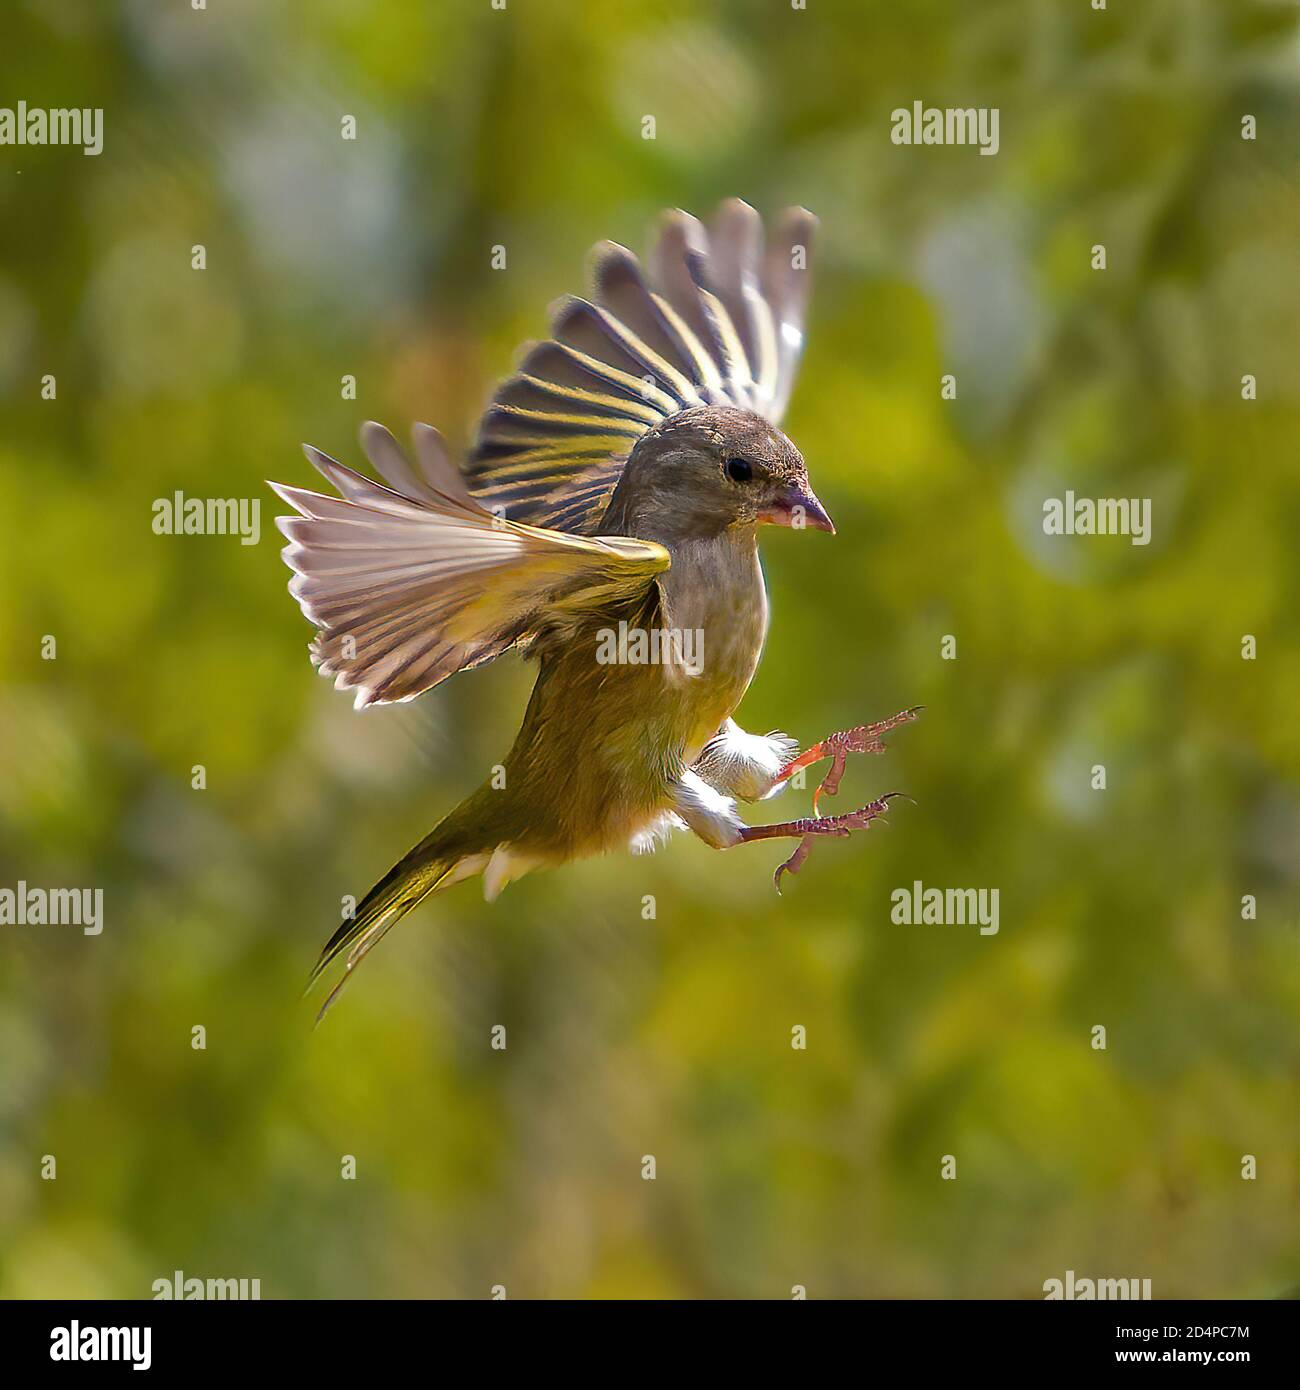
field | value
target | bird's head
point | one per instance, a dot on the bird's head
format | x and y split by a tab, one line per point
709	469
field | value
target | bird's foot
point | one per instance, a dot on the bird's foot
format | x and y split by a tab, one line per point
810	827
866	738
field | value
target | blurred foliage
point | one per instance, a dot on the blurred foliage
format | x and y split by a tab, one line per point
672	1037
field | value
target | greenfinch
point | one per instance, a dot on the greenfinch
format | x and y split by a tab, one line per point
605	523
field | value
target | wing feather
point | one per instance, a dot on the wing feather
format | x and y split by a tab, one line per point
719	322
435	569
409	583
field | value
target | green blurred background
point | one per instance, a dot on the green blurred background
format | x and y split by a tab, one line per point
671	1037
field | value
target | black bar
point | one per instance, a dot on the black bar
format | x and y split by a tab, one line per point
335	1339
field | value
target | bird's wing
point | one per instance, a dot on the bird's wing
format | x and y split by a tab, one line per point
719	322
414	581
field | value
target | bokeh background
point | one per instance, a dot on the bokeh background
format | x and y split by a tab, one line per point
670	1037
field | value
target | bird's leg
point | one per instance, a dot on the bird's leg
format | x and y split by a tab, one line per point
866	738
807	830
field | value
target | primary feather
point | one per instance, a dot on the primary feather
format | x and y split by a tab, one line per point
721	324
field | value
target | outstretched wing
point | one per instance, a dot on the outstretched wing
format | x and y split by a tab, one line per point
414	581
721	323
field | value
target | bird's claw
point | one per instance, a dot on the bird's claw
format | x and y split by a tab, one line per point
865	738
836	826
793	864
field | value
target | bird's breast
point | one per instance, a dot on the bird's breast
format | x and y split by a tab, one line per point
715	602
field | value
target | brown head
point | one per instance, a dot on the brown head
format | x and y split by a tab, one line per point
708	469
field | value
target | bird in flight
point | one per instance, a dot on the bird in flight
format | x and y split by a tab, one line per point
605	523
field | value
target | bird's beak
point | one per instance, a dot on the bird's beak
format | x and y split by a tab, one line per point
797	507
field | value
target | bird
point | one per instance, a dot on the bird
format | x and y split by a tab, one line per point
604	523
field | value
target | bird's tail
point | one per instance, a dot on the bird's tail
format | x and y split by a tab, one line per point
407	883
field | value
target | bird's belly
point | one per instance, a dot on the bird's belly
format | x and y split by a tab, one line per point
706	722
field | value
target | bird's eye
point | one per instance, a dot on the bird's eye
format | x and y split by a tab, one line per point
740	470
